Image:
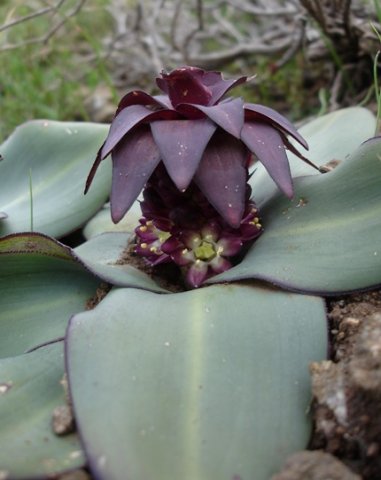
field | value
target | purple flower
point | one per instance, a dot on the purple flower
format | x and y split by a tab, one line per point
199	136
189	151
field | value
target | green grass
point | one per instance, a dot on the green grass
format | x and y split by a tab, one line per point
53	80
50	81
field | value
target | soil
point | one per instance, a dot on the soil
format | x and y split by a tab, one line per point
346	392
166	275
99	295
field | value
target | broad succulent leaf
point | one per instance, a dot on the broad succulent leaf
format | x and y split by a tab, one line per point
101	255
331	137
217	391
56	157
30	390
44	282
41	286
102	223
328	239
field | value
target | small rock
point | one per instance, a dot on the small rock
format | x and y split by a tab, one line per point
75	475
62	420
365	366
315	465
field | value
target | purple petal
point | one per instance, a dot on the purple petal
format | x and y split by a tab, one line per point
190	239
93	170
134	159
163	100
228	115
296	152
129	118
231	246
268	114
222	176
220	265
182	256
219	86
171	244
190	111
185	85
211	231
249	231
137	97
266	143
197	273
182	144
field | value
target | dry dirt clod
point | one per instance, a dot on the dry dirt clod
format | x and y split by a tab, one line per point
347	396
316	465
75	475
365	366
62	420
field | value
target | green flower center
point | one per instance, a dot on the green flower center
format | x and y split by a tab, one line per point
205	251
162	236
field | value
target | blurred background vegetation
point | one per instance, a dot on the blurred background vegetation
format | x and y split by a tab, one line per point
73	59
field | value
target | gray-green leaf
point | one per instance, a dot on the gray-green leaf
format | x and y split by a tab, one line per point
209	384
328	239
30	390
50	161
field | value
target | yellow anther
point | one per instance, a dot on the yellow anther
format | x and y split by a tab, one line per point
143	228
259	225
256	220
143	245
184	251
220	250
149	223
153	249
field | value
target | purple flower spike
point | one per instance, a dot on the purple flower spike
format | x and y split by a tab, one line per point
189	150
184	228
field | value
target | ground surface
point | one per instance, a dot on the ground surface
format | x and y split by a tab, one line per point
347	397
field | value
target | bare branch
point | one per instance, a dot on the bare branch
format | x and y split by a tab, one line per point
31	16
44	39
296	44
271	12
215	59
